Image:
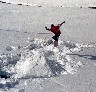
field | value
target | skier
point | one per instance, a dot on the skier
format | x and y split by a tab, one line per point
56	31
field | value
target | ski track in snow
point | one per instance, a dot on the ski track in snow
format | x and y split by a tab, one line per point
39	59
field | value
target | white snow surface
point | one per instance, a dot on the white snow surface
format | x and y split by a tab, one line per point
65	3
28	56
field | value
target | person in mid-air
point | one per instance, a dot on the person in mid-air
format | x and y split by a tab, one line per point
56	31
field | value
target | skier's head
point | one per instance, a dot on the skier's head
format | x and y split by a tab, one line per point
52	25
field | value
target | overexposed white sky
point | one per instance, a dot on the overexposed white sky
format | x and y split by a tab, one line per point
56	2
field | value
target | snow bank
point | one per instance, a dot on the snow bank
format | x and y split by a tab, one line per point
40	59
65	3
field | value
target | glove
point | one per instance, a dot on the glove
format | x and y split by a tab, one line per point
46	27
64	22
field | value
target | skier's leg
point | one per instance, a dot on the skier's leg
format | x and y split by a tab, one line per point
54	37
56	41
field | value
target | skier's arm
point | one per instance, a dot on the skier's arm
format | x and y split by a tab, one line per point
48	29
61	23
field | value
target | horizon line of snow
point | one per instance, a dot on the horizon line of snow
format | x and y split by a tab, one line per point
50	4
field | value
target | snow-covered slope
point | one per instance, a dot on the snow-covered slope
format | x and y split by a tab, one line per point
28	60
66	3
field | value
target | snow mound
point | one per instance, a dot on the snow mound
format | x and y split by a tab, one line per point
42	59
39	59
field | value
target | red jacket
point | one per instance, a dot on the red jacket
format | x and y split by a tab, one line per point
56	30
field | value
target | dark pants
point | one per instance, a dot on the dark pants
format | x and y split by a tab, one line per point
55	38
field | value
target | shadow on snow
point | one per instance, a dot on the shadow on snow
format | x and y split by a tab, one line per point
91	57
